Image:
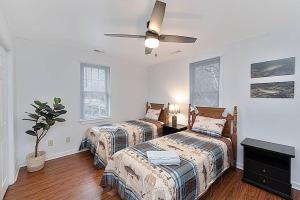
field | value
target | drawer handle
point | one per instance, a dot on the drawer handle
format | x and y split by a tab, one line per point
264	170
264	181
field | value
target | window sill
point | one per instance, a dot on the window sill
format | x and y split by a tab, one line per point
95	121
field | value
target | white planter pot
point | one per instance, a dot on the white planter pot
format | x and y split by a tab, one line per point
35	163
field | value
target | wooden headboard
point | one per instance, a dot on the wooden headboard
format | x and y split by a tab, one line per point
230	128
163	117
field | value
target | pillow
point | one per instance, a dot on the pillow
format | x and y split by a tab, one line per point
152	114
209	126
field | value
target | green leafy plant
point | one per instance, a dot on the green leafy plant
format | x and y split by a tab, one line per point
44	118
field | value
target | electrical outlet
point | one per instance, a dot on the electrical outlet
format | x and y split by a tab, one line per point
50	143
68	139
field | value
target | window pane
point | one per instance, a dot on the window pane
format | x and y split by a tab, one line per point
205	77
94	94
95	105
94	79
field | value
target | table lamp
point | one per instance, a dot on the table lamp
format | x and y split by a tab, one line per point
174	110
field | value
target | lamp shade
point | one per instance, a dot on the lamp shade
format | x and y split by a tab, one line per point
174	109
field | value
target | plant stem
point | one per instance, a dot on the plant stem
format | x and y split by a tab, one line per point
42	135
36	147
37	141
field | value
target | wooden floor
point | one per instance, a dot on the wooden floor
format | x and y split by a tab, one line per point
74	177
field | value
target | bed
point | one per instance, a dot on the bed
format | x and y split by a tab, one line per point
106	139
203	159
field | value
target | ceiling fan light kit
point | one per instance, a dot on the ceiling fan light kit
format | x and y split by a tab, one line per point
153	38
151	43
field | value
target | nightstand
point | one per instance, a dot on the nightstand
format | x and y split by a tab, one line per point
169	129
268	166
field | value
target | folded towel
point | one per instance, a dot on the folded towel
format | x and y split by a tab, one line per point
163	157
164	163
162	154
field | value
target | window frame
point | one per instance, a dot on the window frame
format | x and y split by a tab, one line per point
108	92
191	79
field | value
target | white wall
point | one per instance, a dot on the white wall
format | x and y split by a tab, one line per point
274	120
44	71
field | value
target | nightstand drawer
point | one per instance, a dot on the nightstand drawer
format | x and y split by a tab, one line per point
267	170
267	183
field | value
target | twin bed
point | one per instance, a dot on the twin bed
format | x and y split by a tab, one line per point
204	155
203	159
105	140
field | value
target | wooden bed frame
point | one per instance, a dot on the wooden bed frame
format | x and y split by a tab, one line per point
230	128
163	117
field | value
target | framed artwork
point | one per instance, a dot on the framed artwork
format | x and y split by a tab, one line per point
273	90
273	68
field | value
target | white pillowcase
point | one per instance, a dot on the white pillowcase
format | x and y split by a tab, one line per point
153	114
209	126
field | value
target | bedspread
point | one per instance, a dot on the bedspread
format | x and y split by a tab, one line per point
203	160
105	140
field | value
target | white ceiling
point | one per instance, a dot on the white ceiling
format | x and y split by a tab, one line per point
82	23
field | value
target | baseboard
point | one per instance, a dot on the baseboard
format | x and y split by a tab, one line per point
240	165
2	193
54	156
295	184
17	173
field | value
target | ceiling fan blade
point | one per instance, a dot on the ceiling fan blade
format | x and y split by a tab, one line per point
157	16
176	38
148	50
125	35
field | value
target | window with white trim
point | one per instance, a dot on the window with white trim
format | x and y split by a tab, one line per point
205	83
95	91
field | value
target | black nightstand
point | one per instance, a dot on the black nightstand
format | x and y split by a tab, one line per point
169	129
268	166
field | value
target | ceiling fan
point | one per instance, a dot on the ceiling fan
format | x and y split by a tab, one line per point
152	37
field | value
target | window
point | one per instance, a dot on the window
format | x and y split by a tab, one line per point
95	91
205	83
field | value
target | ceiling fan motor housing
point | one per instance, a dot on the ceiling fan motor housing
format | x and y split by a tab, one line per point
151	34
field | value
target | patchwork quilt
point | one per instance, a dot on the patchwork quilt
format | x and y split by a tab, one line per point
105	140
203	160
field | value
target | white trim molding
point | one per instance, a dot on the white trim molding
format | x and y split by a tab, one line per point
54	156
17	173
96	121
2	193
295	185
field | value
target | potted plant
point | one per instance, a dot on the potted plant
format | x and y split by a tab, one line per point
44	118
